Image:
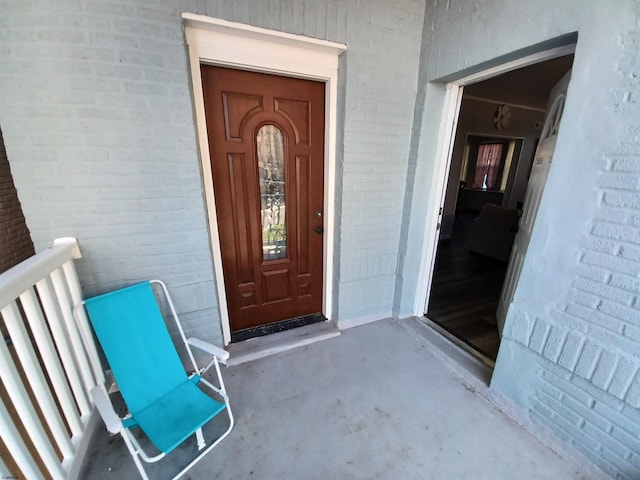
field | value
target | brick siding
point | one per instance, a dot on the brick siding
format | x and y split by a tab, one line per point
589	385
15	240
111	156
570	350
98	119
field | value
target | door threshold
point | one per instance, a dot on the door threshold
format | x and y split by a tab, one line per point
260	347
455	354
271	328
459	342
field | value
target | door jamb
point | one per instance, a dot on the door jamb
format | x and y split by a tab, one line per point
219	42
444	150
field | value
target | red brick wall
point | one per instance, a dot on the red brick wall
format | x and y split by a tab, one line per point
15	240
15	246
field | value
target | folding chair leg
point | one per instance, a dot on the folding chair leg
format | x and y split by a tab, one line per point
210	447
134	455
200	439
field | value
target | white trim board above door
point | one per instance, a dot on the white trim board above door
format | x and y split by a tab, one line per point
219	42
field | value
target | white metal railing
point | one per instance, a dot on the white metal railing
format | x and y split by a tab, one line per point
53	357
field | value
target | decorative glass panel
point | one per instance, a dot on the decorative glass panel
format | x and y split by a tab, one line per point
270	149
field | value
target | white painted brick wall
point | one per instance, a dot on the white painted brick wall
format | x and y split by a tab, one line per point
571	346
591	381
98	123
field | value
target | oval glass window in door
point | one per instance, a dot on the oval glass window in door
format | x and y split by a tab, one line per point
270	152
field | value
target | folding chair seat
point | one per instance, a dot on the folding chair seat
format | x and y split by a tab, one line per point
166	403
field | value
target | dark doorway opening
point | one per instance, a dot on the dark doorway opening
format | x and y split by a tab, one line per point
500	122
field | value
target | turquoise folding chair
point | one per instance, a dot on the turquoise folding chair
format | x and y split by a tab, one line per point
166	403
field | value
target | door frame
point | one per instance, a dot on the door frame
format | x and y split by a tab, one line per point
214	41
444	150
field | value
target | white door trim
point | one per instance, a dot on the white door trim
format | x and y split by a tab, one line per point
446	137
219	42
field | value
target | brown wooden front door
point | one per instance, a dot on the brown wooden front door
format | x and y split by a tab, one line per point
266	143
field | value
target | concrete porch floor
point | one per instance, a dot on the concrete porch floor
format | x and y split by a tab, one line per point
374	402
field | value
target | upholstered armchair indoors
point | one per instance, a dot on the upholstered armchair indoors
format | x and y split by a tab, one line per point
493	231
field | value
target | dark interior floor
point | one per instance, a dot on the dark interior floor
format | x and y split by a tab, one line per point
466	289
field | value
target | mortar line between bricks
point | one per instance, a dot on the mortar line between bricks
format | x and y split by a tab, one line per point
612	453
630	380
545	421
604	254
592	412
607	383
593	324
583	343
626	393
626	243
545	338
556	376
588	405
559	405
561	347
593	369
576	441
544	395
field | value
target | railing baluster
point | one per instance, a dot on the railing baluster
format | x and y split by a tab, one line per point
57	355
82	321
57	330
76	343
50	360
20	399
16	446
34	374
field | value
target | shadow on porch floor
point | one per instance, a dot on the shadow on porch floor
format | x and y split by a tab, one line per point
374	402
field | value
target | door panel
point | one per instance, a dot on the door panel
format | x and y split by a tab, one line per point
535	188
266	142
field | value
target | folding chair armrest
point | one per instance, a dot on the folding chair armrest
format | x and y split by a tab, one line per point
217	352
105	408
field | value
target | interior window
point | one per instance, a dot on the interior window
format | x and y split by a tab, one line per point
488	167
487	162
